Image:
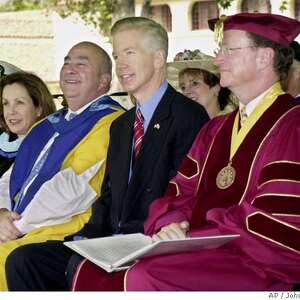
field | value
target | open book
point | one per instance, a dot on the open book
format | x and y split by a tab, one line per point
118	252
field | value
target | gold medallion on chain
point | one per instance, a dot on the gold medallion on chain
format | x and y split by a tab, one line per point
225	177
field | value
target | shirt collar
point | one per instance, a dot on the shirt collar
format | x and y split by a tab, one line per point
148	107
253	103
81	109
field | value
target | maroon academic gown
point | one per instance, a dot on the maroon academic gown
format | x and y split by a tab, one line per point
262	206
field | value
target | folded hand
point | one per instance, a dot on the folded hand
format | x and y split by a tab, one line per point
8	230
173	231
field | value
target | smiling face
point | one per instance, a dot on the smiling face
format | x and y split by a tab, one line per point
238	68
18	109
193	86
138	67
80	77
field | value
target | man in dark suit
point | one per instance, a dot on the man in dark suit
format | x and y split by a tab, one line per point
146	147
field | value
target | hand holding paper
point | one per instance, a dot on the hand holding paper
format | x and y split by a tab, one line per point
172	232
115	253
60	198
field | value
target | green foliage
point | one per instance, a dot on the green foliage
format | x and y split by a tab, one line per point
283	5
224	3
95	12
17	5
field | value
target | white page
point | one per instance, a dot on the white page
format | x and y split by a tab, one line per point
110	253
110	250
189	245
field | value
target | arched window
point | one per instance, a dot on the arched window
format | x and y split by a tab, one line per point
297	10
162	15
262	6
203	11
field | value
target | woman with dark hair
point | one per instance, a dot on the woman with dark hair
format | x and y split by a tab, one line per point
24	100
198	79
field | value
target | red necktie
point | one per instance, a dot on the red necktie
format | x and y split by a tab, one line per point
138	132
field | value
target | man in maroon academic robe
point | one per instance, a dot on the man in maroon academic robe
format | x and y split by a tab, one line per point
241	176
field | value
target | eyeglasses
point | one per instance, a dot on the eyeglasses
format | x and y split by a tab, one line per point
229	51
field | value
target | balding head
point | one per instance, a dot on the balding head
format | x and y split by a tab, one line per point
85	75
105	64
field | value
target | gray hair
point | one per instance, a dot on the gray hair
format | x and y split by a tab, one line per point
154	32
283	58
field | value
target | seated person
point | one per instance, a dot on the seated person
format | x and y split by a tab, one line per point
147	144
199	79
242	181
53	181
241	176
24	100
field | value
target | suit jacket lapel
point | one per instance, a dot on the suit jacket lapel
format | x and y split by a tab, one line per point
156	131
122	154
151	147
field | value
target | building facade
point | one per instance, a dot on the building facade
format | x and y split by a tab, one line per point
37	41
186	20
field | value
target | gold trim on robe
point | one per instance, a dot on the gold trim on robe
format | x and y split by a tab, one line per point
173	183
288	171
208	153
189	160
258	151
274	230
278	204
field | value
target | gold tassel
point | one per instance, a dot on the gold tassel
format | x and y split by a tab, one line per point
219	28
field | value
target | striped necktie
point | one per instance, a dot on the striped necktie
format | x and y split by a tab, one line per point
243	116
138	132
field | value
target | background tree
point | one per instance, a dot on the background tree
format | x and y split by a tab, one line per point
146	10
121	9
100	13
224	3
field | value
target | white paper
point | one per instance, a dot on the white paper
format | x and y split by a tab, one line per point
111	253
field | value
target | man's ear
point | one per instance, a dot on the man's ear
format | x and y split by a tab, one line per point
105	80
39	112
265	57
159	58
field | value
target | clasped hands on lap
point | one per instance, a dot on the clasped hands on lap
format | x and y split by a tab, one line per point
8	230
